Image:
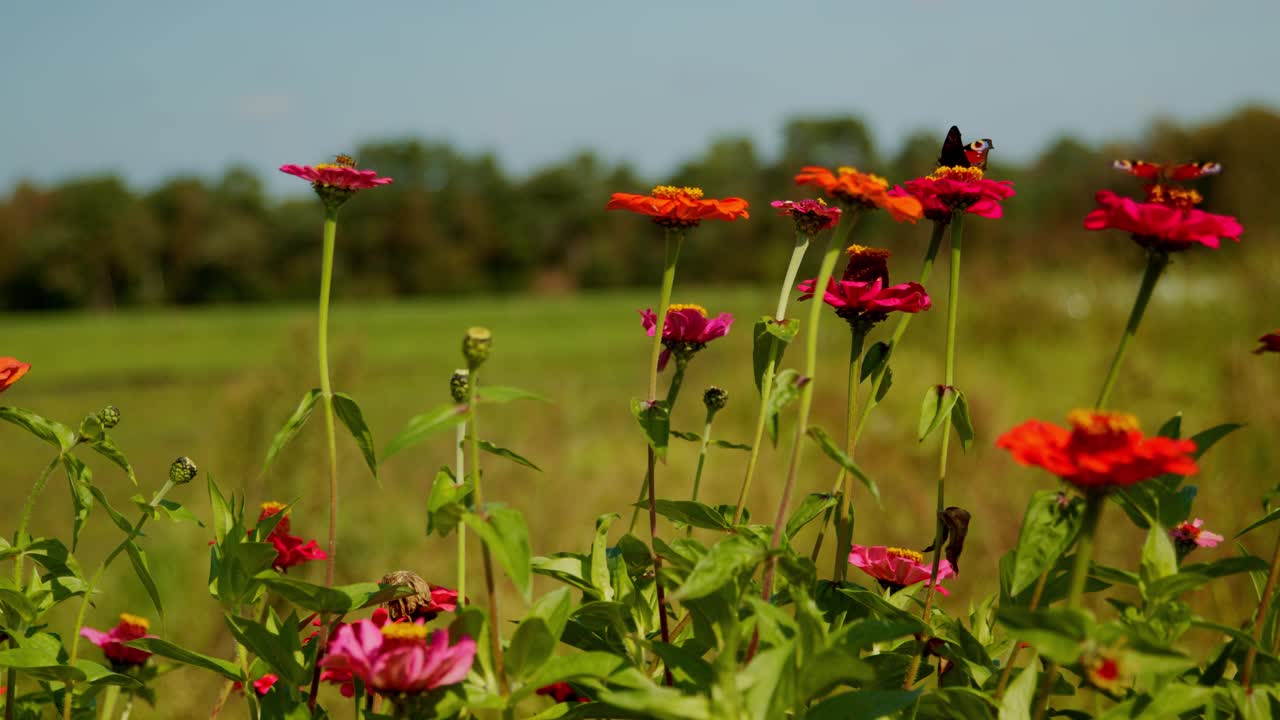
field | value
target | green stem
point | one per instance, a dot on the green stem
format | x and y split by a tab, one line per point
460	477
857	341
1260	618
473	449
953	313
1157	261
326	390
27	508
702	457
108	710
766	381
673	392
1012	657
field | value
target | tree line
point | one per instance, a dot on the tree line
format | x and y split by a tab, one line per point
455	222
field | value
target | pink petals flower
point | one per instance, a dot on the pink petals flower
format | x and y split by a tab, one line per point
112	642
399	657
896	568
687	330
336	182
853	299
811	216
1157	225
953	189
1191	535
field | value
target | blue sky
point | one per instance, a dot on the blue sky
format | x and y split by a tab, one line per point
155	89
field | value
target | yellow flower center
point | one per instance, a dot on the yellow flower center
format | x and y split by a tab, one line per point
273	507
1174	196
1095	422
964	174
134	620
677	193
676	307
904	554
327	166
404	632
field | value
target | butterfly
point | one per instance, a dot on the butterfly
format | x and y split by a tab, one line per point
1156	172
956	154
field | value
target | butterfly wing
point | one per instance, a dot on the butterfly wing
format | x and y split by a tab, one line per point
1140	169
953	150
1194	171
976	152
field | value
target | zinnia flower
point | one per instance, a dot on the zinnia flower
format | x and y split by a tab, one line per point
864	295
561	692
679	207
399	657
811	216
1190	535
860	189
1270	343
1099	451
11	370
896	568
112	642
959	189
687	330
336	182
1160	226
291	550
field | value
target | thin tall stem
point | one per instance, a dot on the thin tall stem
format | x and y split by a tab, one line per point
473	449
673	392
770	369
843	482
326	389
1260	618
1157	261
1007	672
460	476
27	508
702	458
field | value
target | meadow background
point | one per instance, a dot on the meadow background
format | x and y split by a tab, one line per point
185	296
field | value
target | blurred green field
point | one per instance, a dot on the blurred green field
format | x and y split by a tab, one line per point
215	384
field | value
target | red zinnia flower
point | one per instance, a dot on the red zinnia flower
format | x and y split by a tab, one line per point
112	642
687	330
1158	225
896	568
11	370
679	207
291	550
811	216
561	692
848	185
1099	451
1270	343
1103	669
336	182
1190	535
872	300
958	189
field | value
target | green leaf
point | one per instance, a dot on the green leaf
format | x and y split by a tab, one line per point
349	413
80	483
511	455
120	520
770	339
503	529
829	447
1056	632
961	422
786	388
684	664
874	359
498	394
1194	575
292	426
138	559
1048	531
885	384
170	509
39	663
936	407
531	646
579	666
1265	519
107	448
1016	703
724	563
447	503
336	599
99	676
690	512
1159	559
1172	428
862	705
813	505
166	649
730	445
655	420
12	597
1206	439
51	431
420	427
600	576
829	668
272	647
222	518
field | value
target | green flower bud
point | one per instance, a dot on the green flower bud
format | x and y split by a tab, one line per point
715	398
182	471
460	384
476	345
109	416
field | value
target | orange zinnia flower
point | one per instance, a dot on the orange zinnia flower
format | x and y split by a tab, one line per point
679	207
11	370
861	189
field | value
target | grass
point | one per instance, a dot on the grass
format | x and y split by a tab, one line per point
215	384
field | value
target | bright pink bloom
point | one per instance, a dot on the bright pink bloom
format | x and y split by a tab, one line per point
112	642
1190	535
291	550
687	330
853	299
264	683
336	176
811	216
1156	225
950	190
896	568
399	657
1270	343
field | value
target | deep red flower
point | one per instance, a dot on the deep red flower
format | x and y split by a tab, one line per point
1099	451
955	189
11	370
679	207
561	692
687	330
264	683
291	550
1158	225
896	568
1270	343
811	216
112	642
871	300
861	189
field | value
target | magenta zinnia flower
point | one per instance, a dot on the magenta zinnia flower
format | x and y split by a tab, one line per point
853	299
112	642
956	189
1190	535
896	568
811	216
1161	226
399	658
687	330
336	182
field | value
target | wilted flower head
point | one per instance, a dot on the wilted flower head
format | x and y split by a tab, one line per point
460	385
810	216
336	182
715	398
1099	451
959	189
112	642
862	190
1156	225
1190	535
291	550
679	207
11	370
896	568
424	604
687	330
1270	343
399	658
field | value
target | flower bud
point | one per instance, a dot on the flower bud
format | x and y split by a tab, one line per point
715	399
109	416
460	385
182	471
476	345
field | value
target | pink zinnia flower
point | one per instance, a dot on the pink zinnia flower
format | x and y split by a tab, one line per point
1270	343
1156	225
112	642
955	189
1190	535
873	300
399	657
291	550
687	330
896	568
336	182
811	216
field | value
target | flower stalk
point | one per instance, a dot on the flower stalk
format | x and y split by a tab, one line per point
714	400
326	389
1259	619
1157	261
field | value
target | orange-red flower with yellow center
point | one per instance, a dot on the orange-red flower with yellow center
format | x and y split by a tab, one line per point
1099	451
859	189
679	207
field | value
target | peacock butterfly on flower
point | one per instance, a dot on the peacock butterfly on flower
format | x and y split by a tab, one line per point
1155	172
955	153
